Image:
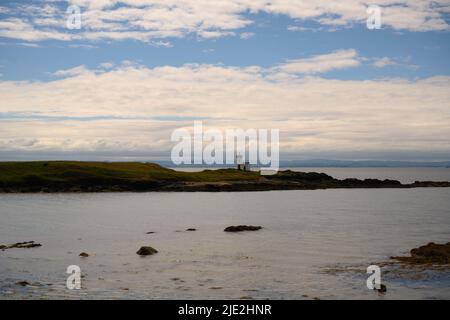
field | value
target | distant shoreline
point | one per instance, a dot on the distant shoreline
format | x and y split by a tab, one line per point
60	176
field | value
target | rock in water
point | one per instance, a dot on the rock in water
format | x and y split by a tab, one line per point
242	228
23	283
382	289
146	251
24	245
84	255
191	229
431	253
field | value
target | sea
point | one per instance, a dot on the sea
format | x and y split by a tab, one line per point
314	244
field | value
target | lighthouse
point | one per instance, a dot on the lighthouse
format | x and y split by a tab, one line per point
241	165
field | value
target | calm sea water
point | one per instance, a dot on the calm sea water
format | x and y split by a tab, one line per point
314	243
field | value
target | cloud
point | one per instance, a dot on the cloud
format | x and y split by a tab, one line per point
28	44
246	35
82	46
147	20
340	59
404	62
384	62
23	30
133	107
80	70
106	65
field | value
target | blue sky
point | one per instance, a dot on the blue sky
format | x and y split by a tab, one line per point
419	54
204	51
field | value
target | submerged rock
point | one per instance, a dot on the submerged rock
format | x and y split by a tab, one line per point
146	251
84	255
242	228
431	253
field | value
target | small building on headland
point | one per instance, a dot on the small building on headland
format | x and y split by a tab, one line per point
244	166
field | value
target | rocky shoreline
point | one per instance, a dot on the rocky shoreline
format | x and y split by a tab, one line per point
284	180
430	254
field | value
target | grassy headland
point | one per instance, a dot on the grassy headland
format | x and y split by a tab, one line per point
66	176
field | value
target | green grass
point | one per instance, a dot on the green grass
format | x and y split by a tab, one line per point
106	173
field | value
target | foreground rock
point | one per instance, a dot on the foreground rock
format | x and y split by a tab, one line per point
431	253
146	251
382	289
21	245
242	228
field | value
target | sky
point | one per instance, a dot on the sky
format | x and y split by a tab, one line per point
117	87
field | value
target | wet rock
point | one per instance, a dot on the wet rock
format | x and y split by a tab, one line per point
431	253
382	289
146	251
23	283
150	232
84	255
22	245
242	228
191	229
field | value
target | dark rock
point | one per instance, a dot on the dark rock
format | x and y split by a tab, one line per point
191	229
428	254
146	251
242	228
382	289
22	245
23	283
84	255
150	232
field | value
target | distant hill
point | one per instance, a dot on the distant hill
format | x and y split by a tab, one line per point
364	163
324	163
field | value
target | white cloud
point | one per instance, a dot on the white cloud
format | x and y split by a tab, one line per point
21	29
80	70
106	65
146	20
313	113
82	46
246	35
340	59
28	44
384	62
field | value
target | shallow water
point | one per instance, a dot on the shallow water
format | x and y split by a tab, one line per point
306	234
